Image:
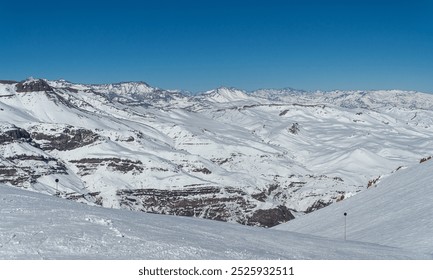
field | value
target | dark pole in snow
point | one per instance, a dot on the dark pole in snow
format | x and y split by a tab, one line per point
57	185
345	215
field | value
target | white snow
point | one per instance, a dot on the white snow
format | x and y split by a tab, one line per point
223	94
397	212
37	226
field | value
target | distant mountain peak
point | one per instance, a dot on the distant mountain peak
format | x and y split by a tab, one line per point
226	94
132	83
33	85
123	88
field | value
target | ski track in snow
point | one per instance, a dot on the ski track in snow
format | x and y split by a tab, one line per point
37	226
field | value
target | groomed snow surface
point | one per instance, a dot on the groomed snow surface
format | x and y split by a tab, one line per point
397	213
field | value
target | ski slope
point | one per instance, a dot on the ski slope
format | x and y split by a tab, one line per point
397	212
38	226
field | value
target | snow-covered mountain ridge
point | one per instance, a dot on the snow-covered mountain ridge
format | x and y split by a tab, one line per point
256	158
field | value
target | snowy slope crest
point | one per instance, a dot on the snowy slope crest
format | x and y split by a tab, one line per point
396	212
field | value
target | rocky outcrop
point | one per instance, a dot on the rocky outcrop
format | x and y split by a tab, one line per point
32	166
87	166
14	134
270	217
318	205
205	202
209	202
33	85
19	166
68	138
13	175
294	129
425	159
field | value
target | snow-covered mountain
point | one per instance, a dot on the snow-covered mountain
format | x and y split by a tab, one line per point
255	158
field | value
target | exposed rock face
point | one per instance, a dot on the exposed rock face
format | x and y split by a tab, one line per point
21	169
20	166
33	85
35	166
204	202
425	159
13	175
67	139
271	217
294	129
13	134
318	205
87	166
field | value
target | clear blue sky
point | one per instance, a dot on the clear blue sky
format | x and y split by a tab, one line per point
199	45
